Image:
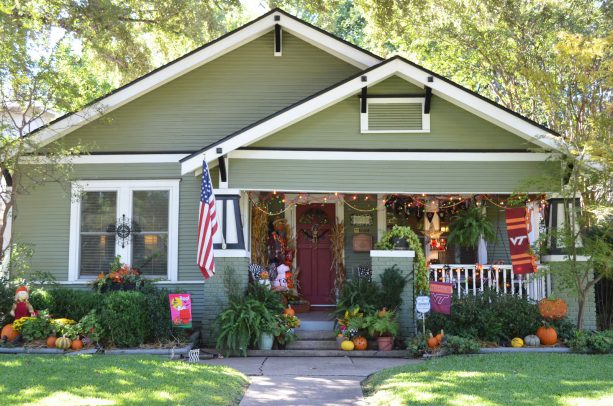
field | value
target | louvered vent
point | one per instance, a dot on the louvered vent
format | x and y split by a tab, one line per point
394	116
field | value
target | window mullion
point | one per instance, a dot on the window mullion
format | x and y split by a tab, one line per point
124	201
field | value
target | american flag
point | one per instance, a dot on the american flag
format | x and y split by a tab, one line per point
207	225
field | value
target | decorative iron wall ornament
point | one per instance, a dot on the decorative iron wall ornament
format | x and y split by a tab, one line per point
123	230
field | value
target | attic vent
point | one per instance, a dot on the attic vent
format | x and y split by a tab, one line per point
395	115
398	116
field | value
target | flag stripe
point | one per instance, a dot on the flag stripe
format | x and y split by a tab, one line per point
207	225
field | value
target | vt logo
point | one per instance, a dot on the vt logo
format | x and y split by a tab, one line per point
518	240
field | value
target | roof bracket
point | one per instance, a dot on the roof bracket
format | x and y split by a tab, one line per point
428	99
223	174
364	99
277	40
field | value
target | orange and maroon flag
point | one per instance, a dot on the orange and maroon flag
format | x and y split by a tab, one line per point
440	297
519	243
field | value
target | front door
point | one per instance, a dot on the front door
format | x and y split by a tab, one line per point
313	226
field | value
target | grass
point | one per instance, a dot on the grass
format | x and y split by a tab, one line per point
112	380
501	379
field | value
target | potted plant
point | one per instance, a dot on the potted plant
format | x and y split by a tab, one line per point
398	238
468	226
284	329
384	326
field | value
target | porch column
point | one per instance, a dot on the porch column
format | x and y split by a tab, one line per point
381	260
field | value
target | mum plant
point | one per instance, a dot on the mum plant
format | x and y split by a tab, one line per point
120	277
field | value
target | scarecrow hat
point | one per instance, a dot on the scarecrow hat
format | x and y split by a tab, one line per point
21	289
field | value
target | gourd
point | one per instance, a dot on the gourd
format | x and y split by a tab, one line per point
432	342
51	341
347	345
289	311
76	345
382	312
554	309
547	335
9	332
517	342
439	336
264	275
360	343
63	343
532	340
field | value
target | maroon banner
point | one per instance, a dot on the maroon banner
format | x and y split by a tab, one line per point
519	243
440	297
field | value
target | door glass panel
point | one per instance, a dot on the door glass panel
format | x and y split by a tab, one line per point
150	231
98	217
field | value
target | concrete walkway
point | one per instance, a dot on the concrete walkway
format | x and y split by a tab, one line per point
307	380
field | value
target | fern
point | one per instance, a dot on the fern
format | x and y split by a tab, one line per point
468	226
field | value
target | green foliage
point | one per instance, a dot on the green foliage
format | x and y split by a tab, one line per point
417	346
158	313
382	325
468	226
419	264
488	316
37	328
124	317
564	328
359	293
241	324
42	299
270	299
392	285
7	298
597	342
91	326
460	345
72	304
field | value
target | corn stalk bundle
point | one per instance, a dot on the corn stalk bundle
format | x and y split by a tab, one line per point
337	238
259	236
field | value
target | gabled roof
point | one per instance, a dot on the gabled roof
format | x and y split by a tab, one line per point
441	87
200	56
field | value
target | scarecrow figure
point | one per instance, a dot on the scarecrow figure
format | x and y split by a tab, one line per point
22	307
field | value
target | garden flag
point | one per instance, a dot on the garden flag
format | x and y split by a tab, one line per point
181	309
207	225
519	243
440	297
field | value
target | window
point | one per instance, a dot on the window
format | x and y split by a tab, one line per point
137	220
395	115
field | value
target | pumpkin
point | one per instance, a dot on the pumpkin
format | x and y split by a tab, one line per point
51	341
347	345
264	275
289	311
517	342
547	335
439	336
9	332
532	340
382	312
76	345
554	309
360	343
63	343
432	342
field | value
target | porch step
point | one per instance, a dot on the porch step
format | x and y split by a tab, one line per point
315	334
313	345
328	353
315	325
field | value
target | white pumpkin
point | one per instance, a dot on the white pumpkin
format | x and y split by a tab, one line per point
532	341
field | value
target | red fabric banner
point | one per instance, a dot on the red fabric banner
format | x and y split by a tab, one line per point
519	243
440	297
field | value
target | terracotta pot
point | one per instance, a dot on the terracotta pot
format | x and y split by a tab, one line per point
385	343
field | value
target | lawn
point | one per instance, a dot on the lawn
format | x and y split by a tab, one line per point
110	380
501	379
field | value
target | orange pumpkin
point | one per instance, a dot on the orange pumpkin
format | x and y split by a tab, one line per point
9	332
432	342
51	341
360	343
382	312
289	311
547	335
554	309
439	336
76	345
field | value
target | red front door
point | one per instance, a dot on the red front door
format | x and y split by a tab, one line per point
314	257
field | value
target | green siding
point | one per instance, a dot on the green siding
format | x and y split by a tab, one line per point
395	86
216	99
451	127
384	176
498	249
47	226
353	259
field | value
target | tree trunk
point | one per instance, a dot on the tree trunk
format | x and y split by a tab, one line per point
581	310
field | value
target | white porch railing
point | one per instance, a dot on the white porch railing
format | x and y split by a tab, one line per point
471	279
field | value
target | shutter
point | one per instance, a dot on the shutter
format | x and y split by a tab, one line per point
394	116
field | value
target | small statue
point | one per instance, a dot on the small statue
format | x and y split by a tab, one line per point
22	307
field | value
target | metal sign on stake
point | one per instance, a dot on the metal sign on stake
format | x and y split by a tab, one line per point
422	306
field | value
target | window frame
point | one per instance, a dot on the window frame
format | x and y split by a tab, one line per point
124	189
425	118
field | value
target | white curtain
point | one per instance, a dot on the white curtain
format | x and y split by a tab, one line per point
482	251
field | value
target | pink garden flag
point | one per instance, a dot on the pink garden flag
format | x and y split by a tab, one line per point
181	309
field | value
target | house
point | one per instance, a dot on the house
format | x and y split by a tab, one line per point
294	122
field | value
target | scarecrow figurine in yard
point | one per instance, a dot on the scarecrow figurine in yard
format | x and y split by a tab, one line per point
22	307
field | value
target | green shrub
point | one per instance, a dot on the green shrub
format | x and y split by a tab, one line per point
598	342
73	304
42	299
460	345
7	298
91	327
392	285
124	317
158	313
37	328
488	316
263	294
417	346
565	328
358	293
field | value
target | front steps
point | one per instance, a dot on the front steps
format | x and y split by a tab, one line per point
328	353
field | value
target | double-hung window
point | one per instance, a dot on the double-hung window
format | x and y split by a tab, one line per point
137	220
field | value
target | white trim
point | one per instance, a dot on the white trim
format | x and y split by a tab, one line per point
391	156
105	159
227	192
392	254
425	118
162	282
563	258
357	57
124	189
441	88
221	253
381	217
